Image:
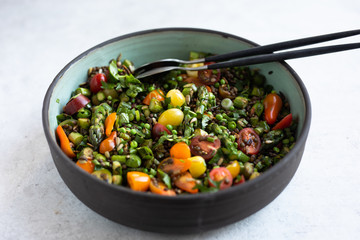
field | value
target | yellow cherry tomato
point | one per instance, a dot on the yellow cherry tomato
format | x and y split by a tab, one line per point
172	117
177	98
234	168
194	73
198	166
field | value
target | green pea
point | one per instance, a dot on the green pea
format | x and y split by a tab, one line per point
276	149
147	126
179	78
133	131
231	125
217	85
133	144
122	130
174	132
170	127
152	172
222	81
151	88
219	117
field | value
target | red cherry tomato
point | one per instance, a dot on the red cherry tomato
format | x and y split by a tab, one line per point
75	104
221	174
272	107
95	82
239	180
210	76
204	147
158	129
284	123
249	142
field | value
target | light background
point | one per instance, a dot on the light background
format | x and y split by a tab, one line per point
37	39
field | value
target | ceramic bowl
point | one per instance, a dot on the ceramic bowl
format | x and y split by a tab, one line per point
180	214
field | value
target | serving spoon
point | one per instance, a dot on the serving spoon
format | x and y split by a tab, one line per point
255	55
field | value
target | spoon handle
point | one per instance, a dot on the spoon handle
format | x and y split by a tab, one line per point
271	57
281	46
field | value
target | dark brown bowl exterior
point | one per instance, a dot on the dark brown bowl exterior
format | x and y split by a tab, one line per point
181	214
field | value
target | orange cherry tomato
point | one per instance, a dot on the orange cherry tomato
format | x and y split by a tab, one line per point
180	150
109	123
64	142
272	107
221	174
138	181
157	94
87	165
174	166
160	188
108	144
186	182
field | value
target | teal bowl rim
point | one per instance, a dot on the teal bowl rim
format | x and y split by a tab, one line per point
243	188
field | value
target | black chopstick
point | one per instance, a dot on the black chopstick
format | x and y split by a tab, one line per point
271	57
281	46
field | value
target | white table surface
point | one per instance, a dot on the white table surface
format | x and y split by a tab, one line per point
37	39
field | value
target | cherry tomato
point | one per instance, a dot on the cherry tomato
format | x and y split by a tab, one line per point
249	142
284	123
174	166
138	181
186	182
95	82
210	76
198	166
109	123
75	104
160	188
158	130
194	73
234	168
239	180
108	144
180	150
204	147
64	142
177	98
272	107
86	165
173	116
221	174
157	94
194	80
